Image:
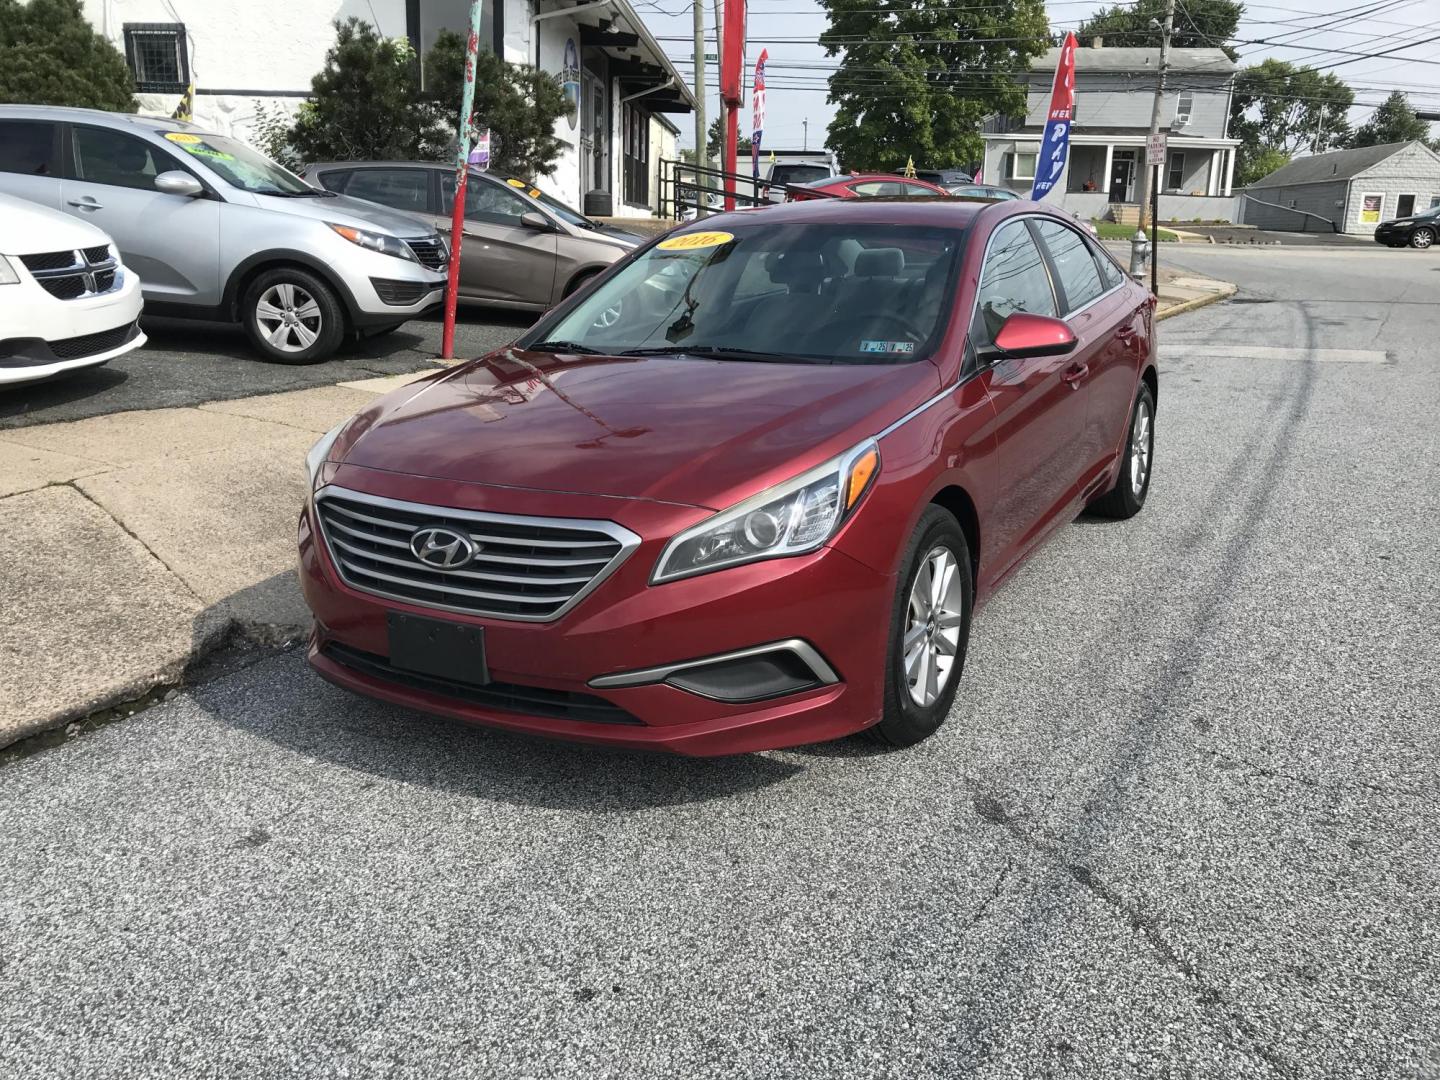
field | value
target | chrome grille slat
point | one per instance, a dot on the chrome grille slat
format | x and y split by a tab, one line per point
545	565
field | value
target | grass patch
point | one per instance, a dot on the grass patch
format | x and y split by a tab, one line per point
1108	230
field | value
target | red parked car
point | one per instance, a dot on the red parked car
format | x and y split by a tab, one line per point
746	490
865	185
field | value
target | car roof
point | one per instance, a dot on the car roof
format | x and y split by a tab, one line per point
115	119
941	211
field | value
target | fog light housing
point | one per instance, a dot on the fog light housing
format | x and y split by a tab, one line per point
738	678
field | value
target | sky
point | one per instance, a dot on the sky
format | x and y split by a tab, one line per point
1310	30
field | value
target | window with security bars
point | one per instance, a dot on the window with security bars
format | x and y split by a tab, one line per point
158	57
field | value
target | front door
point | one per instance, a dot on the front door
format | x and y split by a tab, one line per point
1040	418
171	242
1404	205
1122	171
594	136
501	259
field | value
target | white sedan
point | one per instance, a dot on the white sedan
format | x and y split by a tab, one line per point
66	301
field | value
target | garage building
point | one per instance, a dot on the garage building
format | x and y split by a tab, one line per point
1348	191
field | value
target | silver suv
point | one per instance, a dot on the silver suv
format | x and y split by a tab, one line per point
215	230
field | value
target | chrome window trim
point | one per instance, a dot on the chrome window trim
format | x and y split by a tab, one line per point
627	540
807	654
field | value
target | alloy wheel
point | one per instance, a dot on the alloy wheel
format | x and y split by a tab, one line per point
1141	444
932	630
289	317
1422	238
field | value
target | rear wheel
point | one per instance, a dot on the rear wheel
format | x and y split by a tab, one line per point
1127	497
929	631
1422	237
293	317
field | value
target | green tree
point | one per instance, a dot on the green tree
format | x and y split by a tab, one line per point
917	78
519	104
1199	24
715	141
49	55
365	104
1392	122
1279	109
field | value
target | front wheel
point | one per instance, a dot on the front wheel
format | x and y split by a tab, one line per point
1127	497
1422	238
929	631
293	317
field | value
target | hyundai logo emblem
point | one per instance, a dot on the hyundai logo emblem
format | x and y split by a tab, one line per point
441	547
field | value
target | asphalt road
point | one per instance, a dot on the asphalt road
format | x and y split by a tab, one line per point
186	363
1181	823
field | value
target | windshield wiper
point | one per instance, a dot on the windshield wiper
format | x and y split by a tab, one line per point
566	347
719	352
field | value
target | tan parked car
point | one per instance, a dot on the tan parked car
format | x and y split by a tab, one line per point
523	249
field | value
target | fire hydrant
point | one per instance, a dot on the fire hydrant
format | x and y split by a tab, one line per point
1139	254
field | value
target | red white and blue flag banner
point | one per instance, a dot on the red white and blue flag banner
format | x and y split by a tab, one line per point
1055	146
759	123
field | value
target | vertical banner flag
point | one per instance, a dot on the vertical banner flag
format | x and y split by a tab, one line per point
759	123
1055	146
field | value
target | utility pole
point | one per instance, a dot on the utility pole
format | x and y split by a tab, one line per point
1150	185
701	158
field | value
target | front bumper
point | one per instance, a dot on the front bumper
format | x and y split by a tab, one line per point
42	336
827	600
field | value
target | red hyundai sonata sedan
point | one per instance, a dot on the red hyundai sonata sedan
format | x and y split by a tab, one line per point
747	490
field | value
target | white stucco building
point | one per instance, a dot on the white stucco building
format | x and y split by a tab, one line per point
244	57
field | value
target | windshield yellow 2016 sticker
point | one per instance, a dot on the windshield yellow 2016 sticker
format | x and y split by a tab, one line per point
695	241
183	138
515	183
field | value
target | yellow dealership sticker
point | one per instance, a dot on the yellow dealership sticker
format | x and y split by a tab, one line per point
183	138
534	193
695	241
515	183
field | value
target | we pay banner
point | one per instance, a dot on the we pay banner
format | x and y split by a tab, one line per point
759	121
1055	146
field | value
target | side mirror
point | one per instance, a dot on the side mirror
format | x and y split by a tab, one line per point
532	219
1023	335
176	182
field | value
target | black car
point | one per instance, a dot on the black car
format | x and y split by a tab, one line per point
1418	230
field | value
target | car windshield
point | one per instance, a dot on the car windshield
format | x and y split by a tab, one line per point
239	165
794	293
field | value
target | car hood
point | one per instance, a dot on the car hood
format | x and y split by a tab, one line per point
343	210
31	228
672	429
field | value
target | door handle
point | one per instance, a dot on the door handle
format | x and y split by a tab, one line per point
1076	375
87	203
1125	333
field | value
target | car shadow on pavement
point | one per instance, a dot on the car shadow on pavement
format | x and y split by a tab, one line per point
23	398
280	699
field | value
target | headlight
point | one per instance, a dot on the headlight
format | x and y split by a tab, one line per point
385	245
790	519
316	457
8	276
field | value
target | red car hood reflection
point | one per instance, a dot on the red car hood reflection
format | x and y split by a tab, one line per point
673	429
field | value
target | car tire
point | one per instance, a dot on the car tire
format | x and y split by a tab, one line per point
1127	497
913	713
1422	238
293	317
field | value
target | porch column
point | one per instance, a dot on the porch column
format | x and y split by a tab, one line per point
1109	163
1229	169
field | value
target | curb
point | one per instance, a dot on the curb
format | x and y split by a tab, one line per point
1225	291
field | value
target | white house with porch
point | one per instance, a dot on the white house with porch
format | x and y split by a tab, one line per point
1114	93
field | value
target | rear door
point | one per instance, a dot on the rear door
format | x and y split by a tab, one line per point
1102	365
30	161
1040	417
171	241
501	259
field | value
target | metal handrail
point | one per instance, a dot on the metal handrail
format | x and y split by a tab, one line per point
1304	213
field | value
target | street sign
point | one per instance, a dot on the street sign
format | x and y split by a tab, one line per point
712	57
1155	149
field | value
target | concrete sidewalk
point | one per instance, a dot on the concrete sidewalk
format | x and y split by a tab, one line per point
132	544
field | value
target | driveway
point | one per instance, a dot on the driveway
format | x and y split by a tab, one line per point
1181	823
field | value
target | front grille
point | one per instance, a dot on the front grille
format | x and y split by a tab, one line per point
431	253
64	288
399	292
525	568
97	254
49	260
505	697
104	279
93	344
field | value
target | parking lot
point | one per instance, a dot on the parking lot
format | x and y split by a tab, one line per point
1180	823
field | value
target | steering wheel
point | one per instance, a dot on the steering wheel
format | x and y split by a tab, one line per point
871	322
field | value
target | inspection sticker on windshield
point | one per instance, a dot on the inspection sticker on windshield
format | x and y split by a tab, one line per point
887	346
184	138
695	241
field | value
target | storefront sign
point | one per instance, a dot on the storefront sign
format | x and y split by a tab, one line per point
1371	207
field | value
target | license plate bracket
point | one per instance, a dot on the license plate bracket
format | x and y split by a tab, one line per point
442	650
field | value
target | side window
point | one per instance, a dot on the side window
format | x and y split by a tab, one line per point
27	147
333	179
876	187
485	201
110	157
1079	276
915	191
1013	279
1110	274
403	189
